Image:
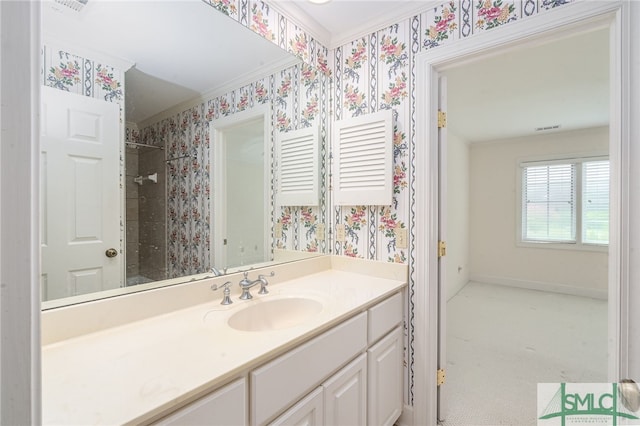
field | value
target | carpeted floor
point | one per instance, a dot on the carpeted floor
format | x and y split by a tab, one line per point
502	341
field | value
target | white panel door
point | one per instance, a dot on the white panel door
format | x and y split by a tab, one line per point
80	194
345	395
384	380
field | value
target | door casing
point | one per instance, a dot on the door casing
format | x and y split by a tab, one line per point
573	18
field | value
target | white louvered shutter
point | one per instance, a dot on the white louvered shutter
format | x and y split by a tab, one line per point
298	163
363	160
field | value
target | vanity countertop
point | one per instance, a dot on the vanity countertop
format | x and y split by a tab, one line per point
132	373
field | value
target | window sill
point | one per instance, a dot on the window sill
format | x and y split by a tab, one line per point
564	246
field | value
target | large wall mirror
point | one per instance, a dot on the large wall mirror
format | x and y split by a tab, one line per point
130	90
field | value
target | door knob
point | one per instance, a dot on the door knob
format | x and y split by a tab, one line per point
629	394
111	252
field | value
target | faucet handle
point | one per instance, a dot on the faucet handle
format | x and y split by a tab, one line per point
264	282
226	300
261	276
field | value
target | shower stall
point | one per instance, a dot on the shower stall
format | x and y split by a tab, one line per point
146	236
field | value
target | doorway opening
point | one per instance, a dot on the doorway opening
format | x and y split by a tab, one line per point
526	227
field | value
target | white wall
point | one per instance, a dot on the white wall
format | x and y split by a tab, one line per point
20	242
457	214
495	257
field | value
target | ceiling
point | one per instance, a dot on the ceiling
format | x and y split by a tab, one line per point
564	82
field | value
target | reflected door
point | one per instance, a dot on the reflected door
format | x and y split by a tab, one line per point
80	195
245	194
241	182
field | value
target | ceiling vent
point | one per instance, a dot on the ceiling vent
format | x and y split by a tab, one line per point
70	7
544	129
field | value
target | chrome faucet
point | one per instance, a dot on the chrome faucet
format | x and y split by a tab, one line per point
226	300
217	272
246	284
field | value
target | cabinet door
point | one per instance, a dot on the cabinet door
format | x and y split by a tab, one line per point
225	407
307	412
345	395
384	392
278	384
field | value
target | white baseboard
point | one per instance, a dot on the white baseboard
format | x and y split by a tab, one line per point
406	418
594	293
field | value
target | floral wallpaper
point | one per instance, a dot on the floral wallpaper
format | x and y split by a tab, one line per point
376	72
83	76
295	95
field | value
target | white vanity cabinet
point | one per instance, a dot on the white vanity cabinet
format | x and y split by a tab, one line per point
367	391
226	406
349	375
339	365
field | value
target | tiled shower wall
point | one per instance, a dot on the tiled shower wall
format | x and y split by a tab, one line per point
145	212
132	213
152	202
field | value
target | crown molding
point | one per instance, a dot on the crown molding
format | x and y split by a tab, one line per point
302	20
78	49
241	81
383	21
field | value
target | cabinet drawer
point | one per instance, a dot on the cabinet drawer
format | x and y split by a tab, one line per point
384	317
225	407
304	368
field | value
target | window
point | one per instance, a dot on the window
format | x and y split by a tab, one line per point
595	202
566	201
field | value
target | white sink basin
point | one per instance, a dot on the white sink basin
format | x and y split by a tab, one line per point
274	314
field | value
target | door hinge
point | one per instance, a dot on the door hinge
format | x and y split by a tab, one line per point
442	119
442	248
440	377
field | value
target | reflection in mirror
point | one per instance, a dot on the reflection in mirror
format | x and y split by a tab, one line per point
127	200
242	161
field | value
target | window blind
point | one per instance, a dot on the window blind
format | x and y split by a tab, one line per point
595	202
548	203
